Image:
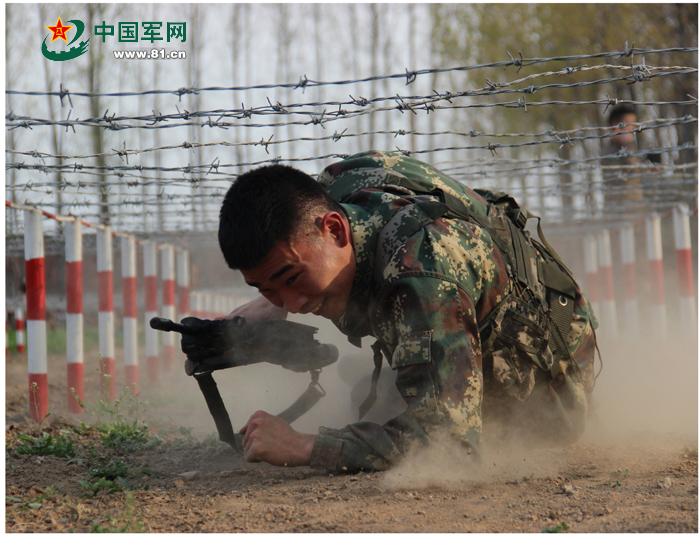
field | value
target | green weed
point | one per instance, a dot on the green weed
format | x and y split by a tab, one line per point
561	527
620	476
118	484
28	503
116	430
129	522
127	437
46	445
212	440
111	470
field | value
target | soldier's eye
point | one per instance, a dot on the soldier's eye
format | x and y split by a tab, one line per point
292	279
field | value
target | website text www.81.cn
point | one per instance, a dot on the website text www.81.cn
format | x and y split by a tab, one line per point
153	54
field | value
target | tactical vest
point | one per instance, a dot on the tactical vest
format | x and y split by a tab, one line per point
528	329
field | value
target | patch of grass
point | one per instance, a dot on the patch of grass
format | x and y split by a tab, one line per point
118	484
111	470
561	527
212	440
128	522
46	445
620	476
28	503
127	436
119	432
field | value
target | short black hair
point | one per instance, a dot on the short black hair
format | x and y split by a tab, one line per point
618	112
266	206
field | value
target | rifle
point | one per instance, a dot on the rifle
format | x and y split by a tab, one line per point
232	342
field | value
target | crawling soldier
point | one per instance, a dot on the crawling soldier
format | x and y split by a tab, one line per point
476	321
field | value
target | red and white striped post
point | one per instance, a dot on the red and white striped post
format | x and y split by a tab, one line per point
629	275
19	329
684	260
656	269
608	307
36	315
208	305
194	305
131	358
168	308
74	314
105	310
183	283
590	260
150	272
200	305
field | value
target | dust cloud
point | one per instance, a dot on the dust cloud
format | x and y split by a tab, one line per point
646	395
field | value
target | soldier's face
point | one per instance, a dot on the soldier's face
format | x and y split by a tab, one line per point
309	275
625	135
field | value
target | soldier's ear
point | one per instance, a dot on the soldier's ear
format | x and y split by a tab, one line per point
338	227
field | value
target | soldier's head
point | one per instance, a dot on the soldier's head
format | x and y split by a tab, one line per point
289	239
622	113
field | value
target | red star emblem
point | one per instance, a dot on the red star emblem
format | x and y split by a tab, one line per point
59	31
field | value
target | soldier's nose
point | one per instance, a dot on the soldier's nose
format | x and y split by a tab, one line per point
294	303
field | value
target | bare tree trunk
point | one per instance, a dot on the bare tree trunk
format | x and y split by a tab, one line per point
319	69
95	12
374	13
54	129
195	156
412	66
355	74
236	29
11	176
156	140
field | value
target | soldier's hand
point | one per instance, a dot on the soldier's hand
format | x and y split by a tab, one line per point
258	310
271	439
204	339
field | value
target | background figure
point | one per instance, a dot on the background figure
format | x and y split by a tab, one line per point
622	186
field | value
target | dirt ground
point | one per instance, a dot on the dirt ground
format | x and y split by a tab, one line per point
635	470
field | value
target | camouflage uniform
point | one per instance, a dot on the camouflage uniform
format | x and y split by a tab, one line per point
421	287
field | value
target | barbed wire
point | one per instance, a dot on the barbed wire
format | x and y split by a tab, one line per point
557	137
402	103
203	168
410	76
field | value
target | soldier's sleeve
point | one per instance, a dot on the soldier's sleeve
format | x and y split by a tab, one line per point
431	326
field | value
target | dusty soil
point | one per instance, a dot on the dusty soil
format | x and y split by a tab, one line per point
642	480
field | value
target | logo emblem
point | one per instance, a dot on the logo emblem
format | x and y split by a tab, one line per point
59	31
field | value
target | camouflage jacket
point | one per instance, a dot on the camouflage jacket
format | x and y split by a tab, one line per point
421	287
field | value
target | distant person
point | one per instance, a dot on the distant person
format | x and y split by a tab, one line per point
622	185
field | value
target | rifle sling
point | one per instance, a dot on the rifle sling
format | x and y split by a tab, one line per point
217	408
207	385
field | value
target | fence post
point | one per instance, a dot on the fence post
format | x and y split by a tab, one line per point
629	275
183	282
194	311
131	358
168	309
208	305
105	310
684	259
608	308
590	259
150	272
36	315
19	329
74	314
656	268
